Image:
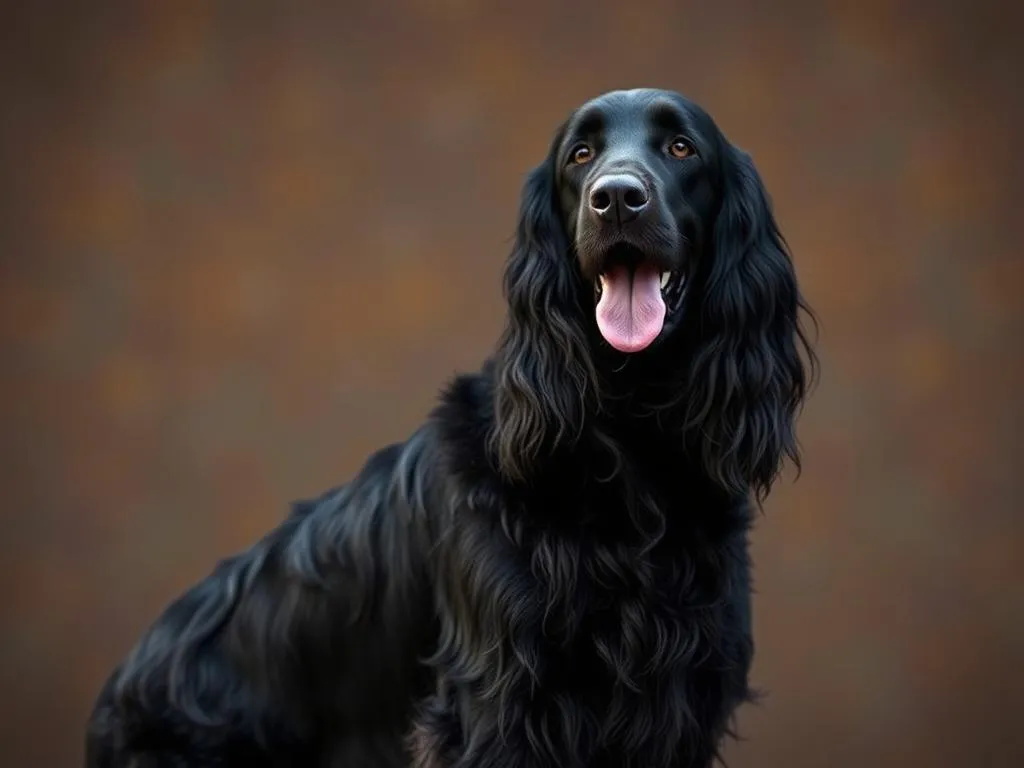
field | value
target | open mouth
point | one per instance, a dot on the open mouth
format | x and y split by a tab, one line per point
634	296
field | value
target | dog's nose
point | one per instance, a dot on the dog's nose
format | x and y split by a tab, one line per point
618	198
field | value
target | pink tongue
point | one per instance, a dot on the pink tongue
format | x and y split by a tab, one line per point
631	311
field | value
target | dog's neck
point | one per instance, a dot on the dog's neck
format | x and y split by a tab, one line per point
625	419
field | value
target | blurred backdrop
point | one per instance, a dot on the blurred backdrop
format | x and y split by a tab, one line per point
244	244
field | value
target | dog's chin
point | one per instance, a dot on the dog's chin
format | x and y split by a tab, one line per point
638	297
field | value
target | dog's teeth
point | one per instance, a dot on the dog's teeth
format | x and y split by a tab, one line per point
665	276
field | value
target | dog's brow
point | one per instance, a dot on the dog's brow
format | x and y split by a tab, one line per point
665	114
589	122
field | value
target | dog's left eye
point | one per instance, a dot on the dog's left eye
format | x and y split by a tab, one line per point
680	148
582	154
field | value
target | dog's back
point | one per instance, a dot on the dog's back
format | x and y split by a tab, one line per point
303	650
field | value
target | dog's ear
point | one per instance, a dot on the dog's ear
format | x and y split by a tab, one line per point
544	378
753	361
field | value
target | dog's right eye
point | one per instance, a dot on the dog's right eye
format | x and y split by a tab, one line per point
582	154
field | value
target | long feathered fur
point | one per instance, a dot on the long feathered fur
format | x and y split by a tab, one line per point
552	571
752	361
544	375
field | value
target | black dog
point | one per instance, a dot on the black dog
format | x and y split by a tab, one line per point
553	570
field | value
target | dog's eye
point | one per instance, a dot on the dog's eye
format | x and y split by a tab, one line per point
582	154
680	148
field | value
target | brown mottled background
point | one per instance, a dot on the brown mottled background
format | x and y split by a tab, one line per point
244	244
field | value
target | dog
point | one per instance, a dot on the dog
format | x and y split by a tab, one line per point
553	570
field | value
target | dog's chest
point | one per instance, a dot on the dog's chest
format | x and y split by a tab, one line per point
628	606
625	637
622	619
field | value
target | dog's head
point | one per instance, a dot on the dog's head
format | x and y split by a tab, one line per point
648	262
635	174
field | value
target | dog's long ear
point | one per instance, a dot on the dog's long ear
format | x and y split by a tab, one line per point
754	362
544	378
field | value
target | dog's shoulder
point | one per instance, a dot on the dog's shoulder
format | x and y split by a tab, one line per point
462	424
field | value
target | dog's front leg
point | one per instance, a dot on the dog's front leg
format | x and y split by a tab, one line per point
456	730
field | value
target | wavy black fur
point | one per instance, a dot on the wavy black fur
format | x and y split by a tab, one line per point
553	570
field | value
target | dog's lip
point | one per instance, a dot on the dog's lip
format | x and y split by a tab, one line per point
625	251
672	281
